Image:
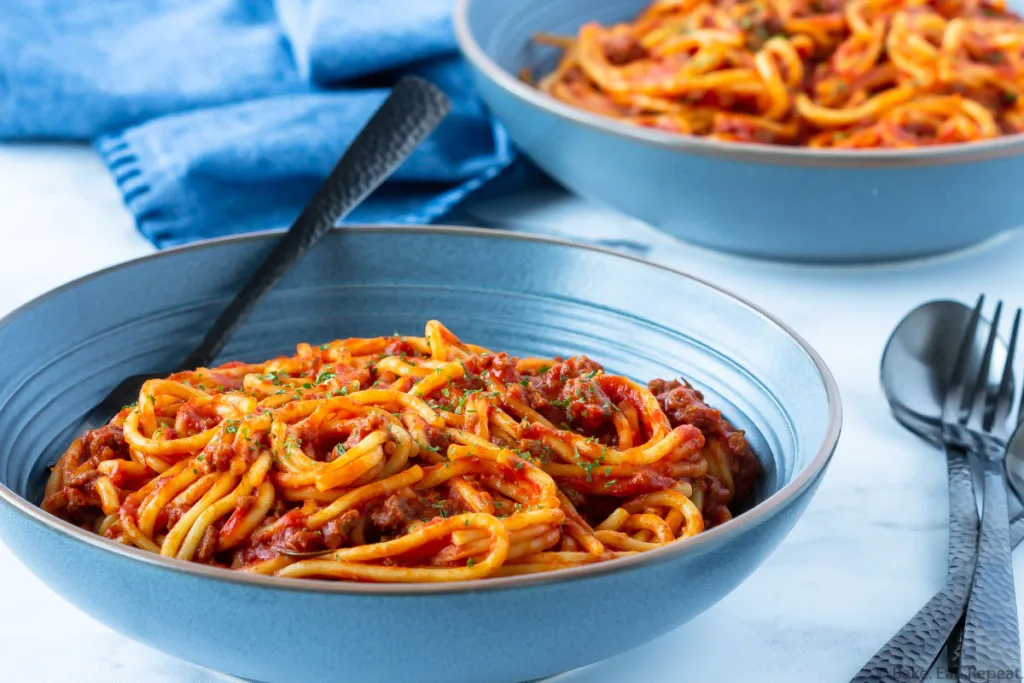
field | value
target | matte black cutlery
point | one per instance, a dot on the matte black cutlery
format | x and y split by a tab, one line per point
410	113
974	420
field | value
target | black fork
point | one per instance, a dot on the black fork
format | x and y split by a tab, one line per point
978	421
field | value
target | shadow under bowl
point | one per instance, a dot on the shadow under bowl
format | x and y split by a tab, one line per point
768	201
65	350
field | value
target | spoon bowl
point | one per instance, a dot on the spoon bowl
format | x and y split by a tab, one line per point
917	363
1015	461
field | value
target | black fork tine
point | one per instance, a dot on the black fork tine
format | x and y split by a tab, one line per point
979	412
1004	398
956	396
1020	405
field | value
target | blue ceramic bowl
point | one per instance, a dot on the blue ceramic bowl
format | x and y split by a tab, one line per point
759	200
65	350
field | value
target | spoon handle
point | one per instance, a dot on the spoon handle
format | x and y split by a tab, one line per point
991	642
413	109
963	532
910	653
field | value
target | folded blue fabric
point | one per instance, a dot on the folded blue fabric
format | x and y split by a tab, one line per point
223	116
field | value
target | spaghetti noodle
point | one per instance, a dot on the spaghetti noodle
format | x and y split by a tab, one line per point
403	459
820	73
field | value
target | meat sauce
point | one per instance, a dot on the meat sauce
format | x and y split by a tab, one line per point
572	394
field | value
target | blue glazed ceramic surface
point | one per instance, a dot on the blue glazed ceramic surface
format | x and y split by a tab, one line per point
759	200
65	350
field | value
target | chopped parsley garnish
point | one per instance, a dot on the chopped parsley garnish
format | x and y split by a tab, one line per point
469	562
469	374
610	483
462	400
586	465
325	376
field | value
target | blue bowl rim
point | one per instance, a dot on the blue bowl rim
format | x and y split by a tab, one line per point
1004	146
776	502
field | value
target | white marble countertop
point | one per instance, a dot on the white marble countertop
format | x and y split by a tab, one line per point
869	551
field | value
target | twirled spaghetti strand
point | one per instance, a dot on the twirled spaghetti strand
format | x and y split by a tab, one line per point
399	459
820	73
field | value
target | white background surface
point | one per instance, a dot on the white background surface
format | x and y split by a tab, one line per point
868	553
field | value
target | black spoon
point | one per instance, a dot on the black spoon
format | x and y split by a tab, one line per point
409	114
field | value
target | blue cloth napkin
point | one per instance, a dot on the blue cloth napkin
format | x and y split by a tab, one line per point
223	116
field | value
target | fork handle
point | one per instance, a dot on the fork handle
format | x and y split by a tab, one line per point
910	653
963	533
991	641
413	109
